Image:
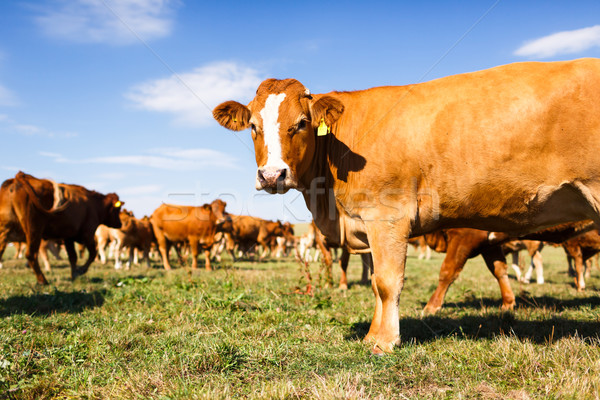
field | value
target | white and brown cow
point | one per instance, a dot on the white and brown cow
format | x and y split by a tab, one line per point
509	149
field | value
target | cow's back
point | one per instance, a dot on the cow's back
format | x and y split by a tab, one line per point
178	223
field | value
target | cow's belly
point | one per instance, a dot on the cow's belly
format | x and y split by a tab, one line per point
524	213
354	235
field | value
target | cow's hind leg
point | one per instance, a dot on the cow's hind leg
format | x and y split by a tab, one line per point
454	262
3	243
367	267
33	246
194	249
207	259
496	263
344	259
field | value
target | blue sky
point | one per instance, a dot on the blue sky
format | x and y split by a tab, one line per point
116	95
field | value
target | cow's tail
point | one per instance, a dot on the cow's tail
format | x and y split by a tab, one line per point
20	178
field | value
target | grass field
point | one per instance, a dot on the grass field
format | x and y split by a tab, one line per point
242	332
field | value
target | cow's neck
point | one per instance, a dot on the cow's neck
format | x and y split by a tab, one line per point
318	187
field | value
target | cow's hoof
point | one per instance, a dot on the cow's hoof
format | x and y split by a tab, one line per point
430	310
343	286
384	346
508	306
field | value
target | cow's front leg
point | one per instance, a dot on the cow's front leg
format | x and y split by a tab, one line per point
90	245
72	255
388	241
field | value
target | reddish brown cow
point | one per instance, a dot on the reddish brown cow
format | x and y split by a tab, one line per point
460	244
29	211
195	225
510	149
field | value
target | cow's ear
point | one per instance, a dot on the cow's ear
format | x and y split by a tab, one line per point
328	109
232	115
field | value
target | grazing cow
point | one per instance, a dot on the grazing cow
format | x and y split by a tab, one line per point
248	232
195	225
534	248
509	149
30	210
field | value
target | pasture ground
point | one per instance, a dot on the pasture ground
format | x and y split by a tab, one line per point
242	332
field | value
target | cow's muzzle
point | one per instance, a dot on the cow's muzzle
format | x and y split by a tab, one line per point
274	180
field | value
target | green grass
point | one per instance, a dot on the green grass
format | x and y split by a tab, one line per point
242	332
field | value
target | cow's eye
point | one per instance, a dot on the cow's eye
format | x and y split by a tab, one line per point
254	131
301	125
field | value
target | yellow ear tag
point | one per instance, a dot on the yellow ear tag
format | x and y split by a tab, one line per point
323	129
118	204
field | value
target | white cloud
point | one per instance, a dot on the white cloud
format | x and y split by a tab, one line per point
171	159
9	125
565	42
107	21
7	98
191	96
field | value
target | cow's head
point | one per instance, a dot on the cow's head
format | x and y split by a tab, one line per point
284	118
112	209
218	208
127	219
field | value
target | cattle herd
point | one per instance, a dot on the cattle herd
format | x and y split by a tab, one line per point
489	162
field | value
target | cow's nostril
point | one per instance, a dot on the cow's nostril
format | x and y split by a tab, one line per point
261	177
282	175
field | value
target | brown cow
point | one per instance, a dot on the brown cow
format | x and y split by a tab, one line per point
29	211
248	232
195	225
509	149
460	244
580	249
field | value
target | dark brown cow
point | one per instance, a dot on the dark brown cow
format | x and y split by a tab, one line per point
248	232
29	211
510	149
195	225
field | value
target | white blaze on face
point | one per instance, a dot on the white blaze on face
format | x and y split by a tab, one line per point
270	115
